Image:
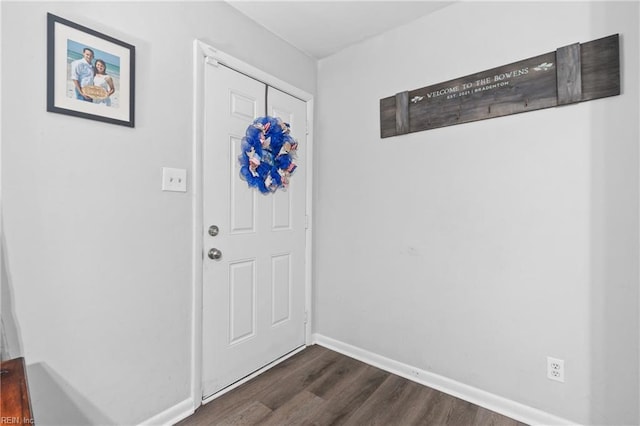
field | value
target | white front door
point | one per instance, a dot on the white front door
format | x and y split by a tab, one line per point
254	294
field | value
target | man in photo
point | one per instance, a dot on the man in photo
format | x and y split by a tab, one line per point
82	73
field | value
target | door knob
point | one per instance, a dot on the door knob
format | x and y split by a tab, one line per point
215	254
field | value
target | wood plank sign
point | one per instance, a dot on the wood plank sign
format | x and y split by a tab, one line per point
574	73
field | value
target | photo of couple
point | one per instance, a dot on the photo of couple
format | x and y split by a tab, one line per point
93	75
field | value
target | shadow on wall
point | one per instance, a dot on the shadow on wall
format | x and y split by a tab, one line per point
55	402
614	253
11	344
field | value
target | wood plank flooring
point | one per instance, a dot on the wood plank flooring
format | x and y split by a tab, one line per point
321	387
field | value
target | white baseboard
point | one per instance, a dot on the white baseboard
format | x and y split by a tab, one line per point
171	415
504	406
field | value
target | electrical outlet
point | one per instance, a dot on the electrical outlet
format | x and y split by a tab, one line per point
555	369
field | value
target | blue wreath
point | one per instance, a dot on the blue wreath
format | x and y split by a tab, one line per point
267	155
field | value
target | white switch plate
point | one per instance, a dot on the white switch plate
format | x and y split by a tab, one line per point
174	179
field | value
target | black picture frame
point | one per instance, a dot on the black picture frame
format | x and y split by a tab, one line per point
111	97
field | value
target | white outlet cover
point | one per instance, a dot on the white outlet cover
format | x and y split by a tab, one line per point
555	369
174	179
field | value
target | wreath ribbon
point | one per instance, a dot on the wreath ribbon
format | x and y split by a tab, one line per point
267	155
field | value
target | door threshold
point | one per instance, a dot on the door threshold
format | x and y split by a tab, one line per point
250	376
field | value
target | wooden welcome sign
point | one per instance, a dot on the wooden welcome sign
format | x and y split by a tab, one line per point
575	73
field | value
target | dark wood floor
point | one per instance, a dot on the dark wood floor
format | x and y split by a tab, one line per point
321	387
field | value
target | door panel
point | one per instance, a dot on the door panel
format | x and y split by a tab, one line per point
242	292
243	203
253	296
281	288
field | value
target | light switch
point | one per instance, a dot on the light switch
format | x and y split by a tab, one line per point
174	179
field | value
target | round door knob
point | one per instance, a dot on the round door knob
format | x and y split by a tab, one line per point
215	254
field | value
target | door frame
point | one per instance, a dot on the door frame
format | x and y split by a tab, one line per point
204	53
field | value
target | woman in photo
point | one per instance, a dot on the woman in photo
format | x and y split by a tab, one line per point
103	80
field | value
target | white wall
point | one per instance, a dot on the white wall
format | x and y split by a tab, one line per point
475	251
98	258
440	249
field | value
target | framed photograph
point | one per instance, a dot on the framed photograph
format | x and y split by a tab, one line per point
89	74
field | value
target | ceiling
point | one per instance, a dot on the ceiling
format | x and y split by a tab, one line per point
322	28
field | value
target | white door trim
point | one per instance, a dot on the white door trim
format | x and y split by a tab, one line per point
204	53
